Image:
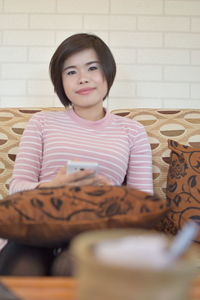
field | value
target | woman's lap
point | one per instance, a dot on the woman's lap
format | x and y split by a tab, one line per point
17	259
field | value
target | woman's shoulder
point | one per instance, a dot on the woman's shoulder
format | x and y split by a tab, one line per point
49	114
132	123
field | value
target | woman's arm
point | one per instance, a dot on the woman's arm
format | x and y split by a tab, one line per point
139	174
28	160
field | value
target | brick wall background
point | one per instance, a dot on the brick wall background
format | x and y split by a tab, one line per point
156	44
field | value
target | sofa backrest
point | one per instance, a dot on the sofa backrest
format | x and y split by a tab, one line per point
161	125
182	126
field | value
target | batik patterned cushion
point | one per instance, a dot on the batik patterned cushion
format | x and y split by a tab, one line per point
183	185
52	216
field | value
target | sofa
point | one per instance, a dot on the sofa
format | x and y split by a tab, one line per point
181	125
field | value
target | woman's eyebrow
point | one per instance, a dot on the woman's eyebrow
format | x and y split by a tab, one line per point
92	62
69	67
87	64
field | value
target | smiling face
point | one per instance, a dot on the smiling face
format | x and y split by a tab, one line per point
83	80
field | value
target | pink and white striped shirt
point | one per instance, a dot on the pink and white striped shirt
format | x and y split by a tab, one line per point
118	144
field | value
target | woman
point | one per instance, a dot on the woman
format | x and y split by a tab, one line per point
82	71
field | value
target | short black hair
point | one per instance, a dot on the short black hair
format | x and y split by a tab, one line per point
72	45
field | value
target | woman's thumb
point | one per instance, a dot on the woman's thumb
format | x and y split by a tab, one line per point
62	171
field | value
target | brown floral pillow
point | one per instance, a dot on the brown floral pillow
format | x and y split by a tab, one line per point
52	216
183	185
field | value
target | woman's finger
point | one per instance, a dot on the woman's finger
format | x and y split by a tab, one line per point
86	181
80	175
104	181
62	171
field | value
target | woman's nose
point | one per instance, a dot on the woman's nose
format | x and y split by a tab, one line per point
83	81
83	78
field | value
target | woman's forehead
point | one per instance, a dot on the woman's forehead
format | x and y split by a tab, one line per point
81	58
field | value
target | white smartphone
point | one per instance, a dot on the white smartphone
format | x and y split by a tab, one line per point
74	166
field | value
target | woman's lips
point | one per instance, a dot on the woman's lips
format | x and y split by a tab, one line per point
84	91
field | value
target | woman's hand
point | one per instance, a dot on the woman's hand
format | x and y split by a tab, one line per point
80	178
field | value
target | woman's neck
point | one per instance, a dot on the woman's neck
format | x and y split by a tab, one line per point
91	114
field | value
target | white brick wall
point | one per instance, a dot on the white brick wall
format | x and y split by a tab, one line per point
28	6
195	24
182	40
28	38
182	8
164	24
135	39
164	57
195	91
56	22
163	90
137	7
13	21
12	54
1	5
40	88
195	57
156	44
83	7
109	22
13	87
24	71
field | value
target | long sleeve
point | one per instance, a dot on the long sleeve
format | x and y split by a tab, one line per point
27	166
139	173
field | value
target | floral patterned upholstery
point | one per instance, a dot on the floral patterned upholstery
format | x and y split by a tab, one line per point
161	125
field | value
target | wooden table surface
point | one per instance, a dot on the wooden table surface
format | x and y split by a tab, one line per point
41	288
58	288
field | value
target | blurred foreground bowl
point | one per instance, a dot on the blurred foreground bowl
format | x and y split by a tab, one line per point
99	280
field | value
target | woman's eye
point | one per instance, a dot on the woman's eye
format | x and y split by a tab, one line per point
92	68
71	72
